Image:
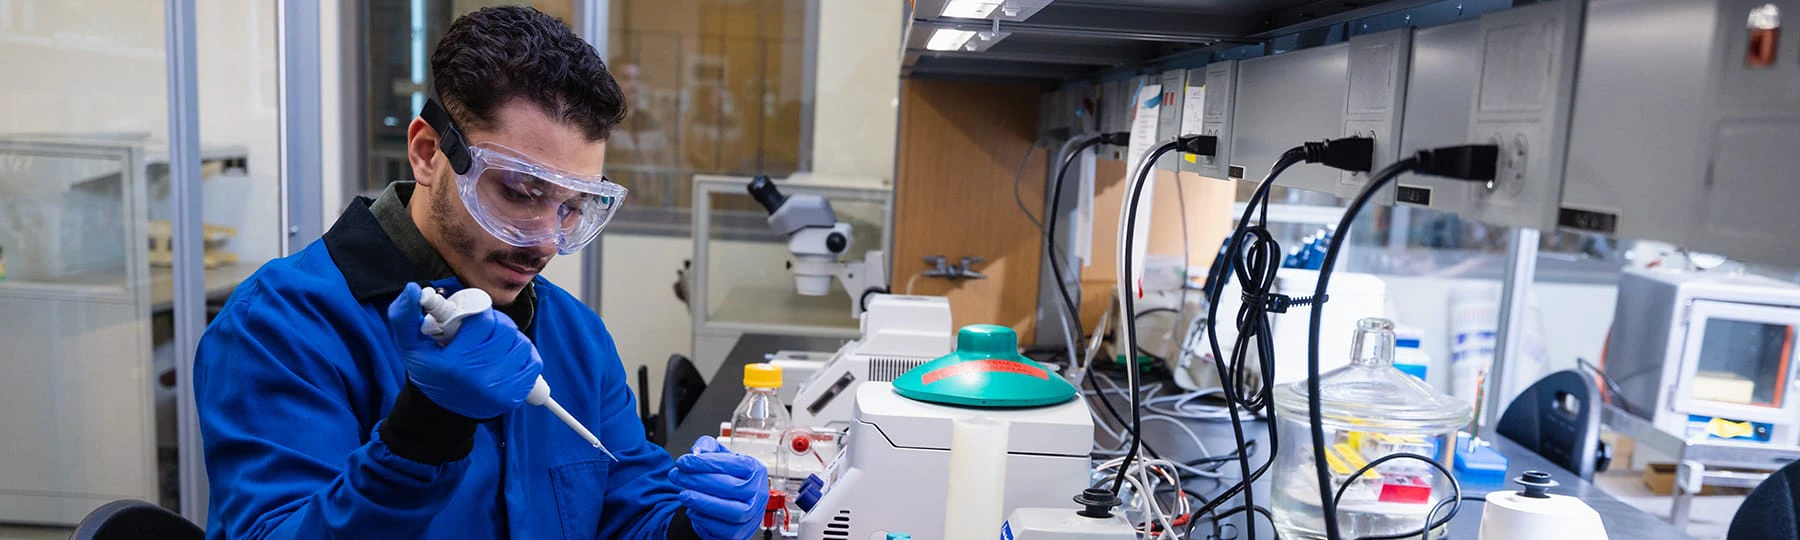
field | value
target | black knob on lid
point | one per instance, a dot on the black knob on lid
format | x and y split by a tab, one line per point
1537	484
1096	503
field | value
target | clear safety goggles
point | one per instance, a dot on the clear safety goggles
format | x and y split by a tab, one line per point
519	200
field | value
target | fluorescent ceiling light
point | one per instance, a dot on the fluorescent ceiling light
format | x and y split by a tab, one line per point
970	9
945	39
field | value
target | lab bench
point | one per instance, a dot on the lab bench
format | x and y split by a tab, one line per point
1622	520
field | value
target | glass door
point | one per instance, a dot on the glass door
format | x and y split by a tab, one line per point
1738	362
82	111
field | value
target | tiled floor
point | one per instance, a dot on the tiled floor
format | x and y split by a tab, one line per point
22	532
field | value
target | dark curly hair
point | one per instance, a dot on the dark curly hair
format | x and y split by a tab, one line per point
498	54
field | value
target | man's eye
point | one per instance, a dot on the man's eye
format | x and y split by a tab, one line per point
577	205
514	195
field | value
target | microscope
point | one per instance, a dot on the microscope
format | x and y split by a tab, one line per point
816	239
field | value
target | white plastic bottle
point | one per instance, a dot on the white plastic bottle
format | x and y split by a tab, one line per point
759	420
1474	320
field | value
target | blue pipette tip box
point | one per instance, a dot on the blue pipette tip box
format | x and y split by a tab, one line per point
1478	462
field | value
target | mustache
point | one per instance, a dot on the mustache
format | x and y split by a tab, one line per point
522	259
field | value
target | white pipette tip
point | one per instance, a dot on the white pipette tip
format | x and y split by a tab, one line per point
444	317
574	424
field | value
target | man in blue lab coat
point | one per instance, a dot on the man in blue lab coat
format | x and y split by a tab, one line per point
327	413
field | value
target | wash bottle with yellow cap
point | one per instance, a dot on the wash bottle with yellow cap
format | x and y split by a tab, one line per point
759	420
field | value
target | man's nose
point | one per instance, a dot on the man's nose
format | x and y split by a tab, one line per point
544	249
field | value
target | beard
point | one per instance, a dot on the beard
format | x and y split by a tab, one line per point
443	205
463	236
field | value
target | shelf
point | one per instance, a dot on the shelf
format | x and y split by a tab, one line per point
110	287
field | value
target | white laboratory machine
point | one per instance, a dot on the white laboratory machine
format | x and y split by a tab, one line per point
893	474
898	333
1533	513
1064	524
1707	355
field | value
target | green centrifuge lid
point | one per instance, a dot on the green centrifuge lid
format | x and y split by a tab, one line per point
985	371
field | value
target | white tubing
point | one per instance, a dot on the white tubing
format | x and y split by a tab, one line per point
975	506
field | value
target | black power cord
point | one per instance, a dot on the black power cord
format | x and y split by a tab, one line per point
1050	250
1471	162
1252	253
1193	144
1254	256
1612	387
1454	500
1204	145
1114	412
1072	317
1250	525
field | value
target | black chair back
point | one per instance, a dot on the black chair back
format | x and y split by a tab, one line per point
135	520
682	385
643	402
1559	418
1768	512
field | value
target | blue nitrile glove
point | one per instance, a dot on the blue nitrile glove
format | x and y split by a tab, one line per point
487	369
726	493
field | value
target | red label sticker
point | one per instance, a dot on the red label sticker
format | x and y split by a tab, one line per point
1411	491
983	366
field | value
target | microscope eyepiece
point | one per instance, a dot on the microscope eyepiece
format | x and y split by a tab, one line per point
764	191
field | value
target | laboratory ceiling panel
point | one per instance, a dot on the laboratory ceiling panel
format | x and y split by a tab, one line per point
1058	40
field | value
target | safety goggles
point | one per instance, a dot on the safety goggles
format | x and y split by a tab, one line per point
519	200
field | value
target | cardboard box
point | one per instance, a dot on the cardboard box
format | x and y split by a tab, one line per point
1660	479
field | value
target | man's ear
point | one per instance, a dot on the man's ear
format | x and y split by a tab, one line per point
422	151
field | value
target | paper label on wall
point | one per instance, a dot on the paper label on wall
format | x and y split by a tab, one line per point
1084	208
1193	110
1143	125
1193	113
1143	138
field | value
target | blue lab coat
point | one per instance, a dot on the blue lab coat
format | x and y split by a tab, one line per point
296	372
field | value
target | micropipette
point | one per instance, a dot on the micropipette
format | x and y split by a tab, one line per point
443	316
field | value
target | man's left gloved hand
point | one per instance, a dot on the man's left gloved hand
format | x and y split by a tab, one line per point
726	493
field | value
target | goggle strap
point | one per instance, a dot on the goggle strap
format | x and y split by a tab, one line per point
449	137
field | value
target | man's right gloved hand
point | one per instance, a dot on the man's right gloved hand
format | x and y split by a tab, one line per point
487	369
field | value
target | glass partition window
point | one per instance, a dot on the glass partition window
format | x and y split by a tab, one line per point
87	268
714	88
63	216
399	36
749	279
83	109
1743	362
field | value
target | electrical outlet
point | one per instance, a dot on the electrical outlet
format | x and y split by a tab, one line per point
1375	102
1442	76
1522	103
1286	100
1220	79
